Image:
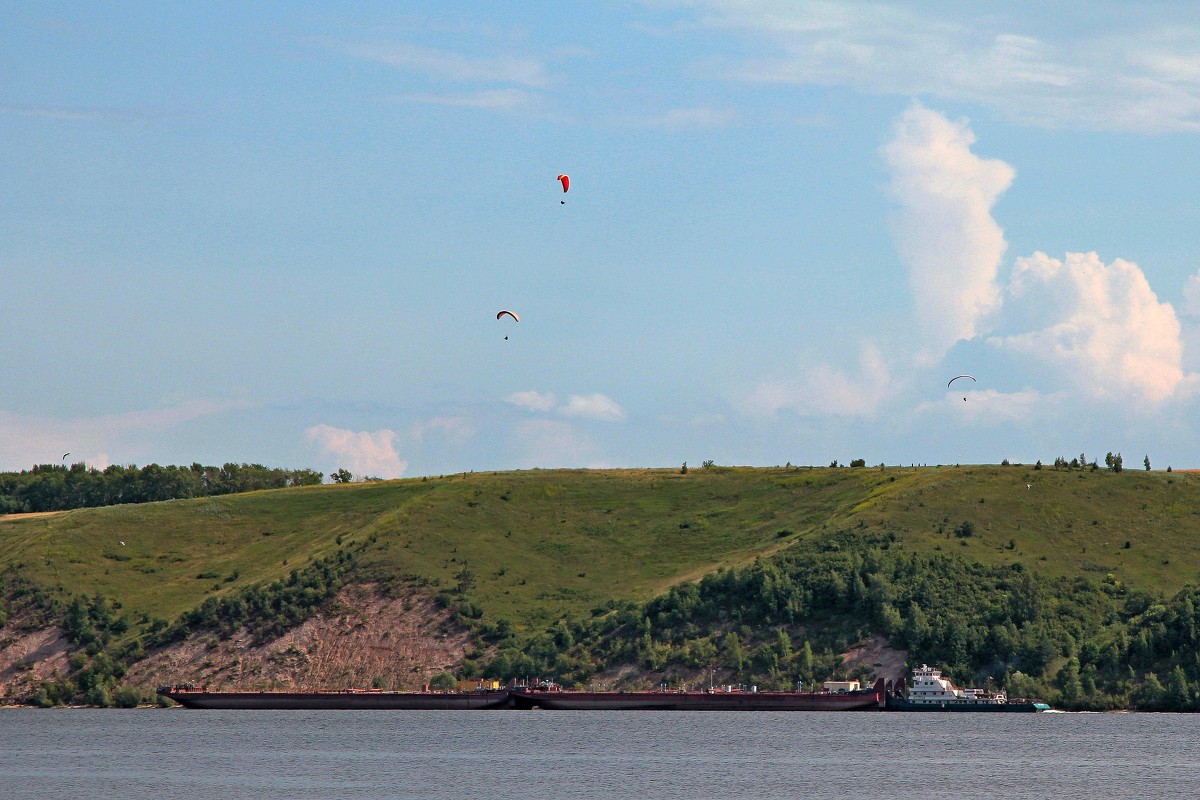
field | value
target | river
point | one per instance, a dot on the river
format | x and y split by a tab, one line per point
183	754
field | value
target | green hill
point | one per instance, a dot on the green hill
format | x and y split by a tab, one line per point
535	547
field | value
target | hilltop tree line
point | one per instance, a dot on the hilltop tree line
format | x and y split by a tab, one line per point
52	487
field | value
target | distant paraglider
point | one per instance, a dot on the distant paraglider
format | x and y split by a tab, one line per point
512	314
566	184
960	377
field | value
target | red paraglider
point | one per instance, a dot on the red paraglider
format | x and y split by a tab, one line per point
566	183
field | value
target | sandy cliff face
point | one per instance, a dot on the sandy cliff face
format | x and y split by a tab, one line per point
402	641
878	656
28	657
363	637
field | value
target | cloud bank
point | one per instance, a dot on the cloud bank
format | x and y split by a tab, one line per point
592	406
362	452
448	65
534	401
1191	296
1102	324
1099	327
27	440
1140	77
553	443
943	228
825	390
579	406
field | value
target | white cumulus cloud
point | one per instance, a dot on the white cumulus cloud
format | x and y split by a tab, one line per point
361	452
580	406
456	430
592	406
549	443
826	390
944	229
1191	296
532	400
1101	323
990	405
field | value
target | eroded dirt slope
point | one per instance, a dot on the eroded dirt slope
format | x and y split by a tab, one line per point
365	636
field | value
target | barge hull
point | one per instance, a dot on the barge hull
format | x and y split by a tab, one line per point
568	700
896	704
349	700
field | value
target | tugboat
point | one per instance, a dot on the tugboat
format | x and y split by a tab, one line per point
931	692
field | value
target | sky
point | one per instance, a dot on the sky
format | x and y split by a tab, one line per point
280	233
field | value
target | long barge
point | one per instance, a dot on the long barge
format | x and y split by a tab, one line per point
351	699
550	697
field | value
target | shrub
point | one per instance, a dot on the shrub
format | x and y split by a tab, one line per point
443	682
127	697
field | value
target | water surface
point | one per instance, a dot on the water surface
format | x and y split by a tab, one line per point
438	755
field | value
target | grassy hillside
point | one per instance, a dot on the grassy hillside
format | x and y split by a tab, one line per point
541	544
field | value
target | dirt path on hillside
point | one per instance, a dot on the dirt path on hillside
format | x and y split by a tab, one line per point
29	514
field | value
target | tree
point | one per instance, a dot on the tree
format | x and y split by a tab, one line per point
466	580
858	462
341	476
806	661
1149	696
734	655
783	645
1178	694
1068	680
1146	463
443	682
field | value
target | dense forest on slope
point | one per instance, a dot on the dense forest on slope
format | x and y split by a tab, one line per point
1083	644
1071	585
53	487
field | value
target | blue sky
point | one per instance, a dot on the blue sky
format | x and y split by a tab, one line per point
280	233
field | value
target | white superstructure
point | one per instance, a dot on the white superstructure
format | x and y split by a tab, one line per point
928	686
